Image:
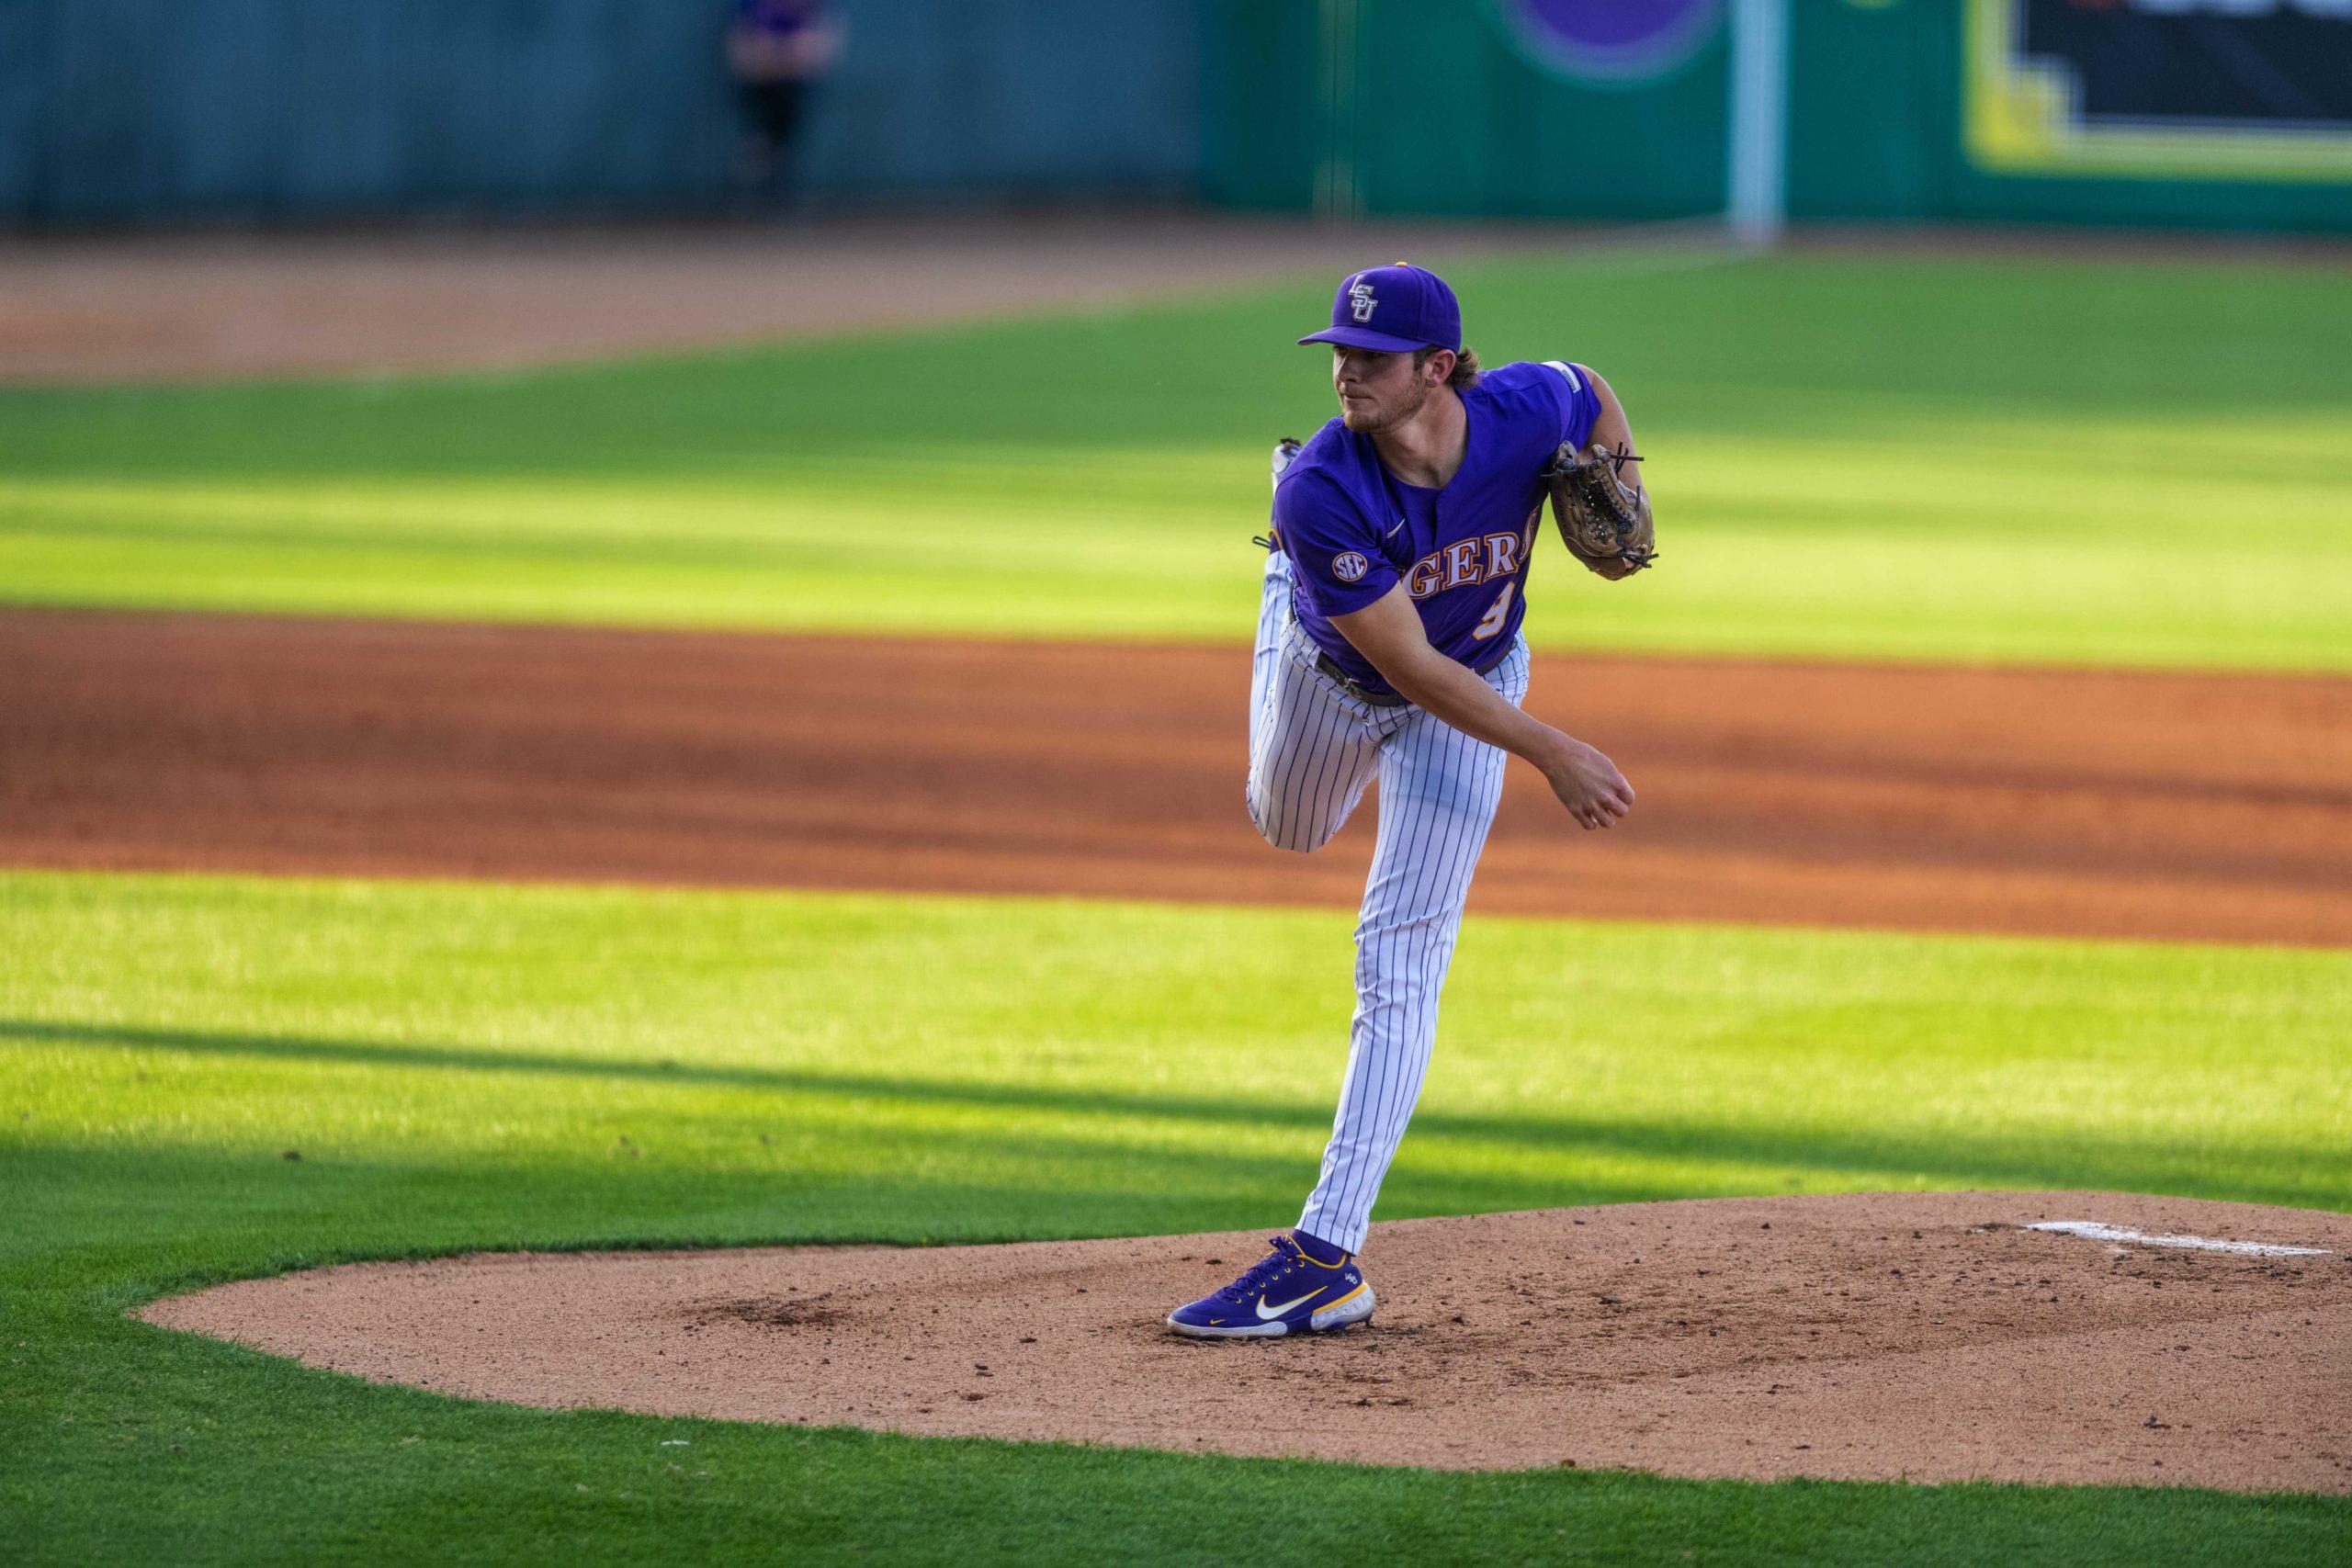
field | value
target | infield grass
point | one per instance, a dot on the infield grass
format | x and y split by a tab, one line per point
465	1065
2057	460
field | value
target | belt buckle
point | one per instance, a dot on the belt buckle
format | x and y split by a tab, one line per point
1328	667
1358	690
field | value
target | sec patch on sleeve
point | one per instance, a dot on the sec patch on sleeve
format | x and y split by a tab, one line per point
1349	566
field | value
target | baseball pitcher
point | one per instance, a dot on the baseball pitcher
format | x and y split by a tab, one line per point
1388	647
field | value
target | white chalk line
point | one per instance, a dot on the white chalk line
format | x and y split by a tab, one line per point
2095	1231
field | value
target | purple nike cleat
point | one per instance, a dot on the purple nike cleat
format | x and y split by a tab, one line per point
1286	1292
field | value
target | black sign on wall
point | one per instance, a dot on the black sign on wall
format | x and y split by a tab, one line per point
2282	64
2161	89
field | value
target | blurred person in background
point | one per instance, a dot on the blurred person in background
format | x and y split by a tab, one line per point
776	50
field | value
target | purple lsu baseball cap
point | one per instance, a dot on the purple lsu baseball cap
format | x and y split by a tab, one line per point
1393	309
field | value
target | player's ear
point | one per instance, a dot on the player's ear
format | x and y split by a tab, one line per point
1438	367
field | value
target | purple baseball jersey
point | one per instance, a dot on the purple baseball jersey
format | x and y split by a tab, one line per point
1354	531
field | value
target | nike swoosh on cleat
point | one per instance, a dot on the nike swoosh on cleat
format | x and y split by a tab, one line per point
1266	1314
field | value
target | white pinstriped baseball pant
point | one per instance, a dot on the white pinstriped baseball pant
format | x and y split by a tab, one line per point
1313	749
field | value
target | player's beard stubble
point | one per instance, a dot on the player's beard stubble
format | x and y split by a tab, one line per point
1371	418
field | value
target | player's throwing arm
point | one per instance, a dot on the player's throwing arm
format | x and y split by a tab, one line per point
1607	524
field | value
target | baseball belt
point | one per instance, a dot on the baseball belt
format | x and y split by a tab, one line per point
1327	665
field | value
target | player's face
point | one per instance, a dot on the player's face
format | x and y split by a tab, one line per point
1377	391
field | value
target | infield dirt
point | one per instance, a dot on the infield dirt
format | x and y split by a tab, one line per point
2061	803
211	308
1874	1335
223	307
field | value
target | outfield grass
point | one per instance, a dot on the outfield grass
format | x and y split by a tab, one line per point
464	1067
2051	461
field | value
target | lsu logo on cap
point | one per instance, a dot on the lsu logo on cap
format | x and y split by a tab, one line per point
1360	301
1349	566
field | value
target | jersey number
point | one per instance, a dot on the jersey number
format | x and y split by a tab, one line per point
1494	619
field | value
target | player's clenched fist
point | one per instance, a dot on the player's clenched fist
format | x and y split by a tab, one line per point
1589	784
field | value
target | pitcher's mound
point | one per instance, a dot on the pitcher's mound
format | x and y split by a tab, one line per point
1928	1335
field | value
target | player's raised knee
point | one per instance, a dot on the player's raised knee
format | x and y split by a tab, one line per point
1283	829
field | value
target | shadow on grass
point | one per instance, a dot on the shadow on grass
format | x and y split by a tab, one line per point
2274	1172
110	1224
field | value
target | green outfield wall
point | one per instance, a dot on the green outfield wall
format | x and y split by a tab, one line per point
1431	106
2232	114
128	112
2192	113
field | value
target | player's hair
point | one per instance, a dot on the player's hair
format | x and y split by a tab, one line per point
1465	366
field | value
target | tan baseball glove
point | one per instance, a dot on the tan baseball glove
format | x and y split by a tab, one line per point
1606	525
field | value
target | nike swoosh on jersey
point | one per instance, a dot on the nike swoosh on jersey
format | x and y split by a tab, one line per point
1267	1314
1391	533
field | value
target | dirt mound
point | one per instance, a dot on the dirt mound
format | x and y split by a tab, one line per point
2062	803
1932	1337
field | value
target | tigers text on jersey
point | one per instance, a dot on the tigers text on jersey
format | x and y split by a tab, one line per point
1353	531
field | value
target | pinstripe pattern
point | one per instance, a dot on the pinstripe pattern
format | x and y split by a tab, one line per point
1313	751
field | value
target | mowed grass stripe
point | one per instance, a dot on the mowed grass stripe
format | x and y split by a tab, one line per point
2068	461
470	1066
1578	1060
